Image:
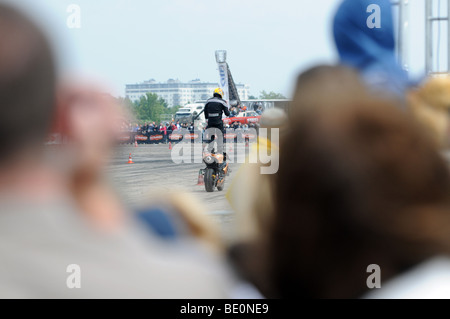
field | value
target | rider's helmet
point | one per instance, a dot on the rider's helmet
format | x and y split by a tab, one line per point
218	91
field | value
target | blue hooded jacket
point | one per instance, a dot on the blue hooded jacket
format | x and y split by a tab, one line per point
369	50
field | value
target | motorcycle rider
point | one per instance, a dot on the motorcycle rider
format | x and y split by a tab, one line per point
214	109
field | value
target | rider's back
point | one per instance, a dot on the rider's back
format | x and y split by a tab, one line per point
214	109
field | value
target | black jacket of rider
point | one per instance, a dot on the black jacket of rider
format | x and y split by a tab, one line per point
214	109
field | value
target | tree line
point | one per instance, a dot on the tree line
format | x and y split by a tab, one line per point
150	107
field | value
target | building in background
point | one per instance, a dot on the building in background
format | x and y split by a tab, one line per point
175	92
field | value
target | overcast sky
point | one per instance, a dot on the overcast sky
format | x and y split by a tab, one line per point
268	42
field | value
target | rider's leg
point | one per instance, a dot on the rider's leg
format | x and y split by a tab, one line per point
220	135
210	139
220	148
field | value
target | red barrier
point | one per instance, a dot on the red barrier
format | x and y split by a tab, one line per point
175	137
157	137
230	136
249	136
191	136
140	138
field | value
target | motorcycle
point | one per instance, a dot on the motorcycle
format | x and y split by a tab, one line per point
215	172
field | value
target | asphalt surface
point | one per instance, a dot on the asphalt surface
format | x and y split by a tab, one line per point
155	171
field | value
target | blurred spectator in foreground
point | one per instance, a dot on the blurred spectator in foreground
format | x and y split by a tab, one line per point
359	183
42	228
250	196
369	188
430	105
87	120
317	87
369	48
326	85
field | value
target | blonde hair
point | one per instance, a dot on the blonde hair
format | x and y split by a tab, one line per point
430	105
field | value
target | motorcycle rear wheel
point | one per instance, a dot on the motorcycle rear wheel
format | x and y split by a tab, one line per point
209	180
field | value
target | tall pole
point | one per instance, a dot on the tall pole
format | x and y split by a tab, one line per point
221	59
403	31
448	36
428	36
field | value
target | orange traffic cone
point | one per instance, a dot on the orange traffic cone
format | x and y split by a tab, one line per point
170	145
201	180
130	160
135	144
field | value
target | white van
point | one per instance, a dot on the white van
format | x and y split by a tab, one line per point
187	113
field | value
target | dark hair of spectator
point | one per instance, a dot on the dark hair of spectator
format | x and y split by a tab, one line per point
358	184
27	83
